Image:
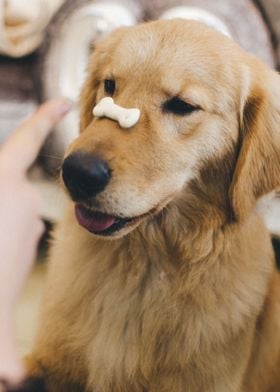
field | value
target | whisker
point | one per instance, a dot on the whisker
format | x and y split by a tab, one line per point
43	155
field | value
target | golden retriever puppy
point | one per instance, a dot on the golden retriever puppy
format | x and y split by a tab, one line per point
162	275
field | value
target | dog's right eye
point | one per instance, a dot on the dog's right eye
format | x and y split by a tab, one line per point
109	86
179	107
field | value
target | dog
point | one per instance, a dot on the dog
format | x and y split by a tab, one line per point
162	275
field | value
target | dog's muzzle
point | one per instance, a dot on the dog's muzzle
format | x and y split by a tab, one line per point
85	176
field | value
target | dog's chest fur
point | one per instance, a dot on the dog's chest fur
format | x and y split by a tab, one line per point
145	315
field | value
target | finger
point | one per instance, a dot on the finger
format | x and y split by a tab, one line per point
12	375
23	146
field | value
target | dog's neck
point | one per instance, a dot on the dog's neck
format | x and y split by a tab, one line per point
173	245
190	229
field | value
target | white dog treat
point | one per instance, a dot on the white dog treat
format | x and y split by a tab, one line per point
127	118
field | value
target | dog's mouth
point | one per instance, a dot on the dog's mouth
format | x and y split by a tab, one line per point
103	224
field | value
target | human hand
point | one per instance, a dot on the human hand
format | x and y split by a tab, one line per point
20	223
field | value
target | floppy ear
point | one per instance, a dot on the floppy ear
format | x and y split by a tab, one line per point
257	170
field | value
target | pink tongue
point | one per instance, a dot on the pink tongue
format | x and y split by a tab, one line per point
93	221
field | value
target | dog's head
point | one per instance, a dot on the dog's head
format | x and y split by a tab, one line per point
208	127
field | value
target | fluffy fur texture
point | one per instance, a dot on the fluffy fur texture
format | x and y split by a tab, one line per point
188	299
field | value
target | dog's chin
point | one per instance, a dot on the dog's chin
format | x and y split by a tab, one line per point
105	225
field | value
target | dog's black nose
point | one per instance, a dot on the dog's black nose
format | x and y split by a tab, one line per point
85	175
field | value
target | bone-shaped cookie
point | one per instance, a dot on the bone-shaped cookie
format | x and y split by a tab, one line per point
106	107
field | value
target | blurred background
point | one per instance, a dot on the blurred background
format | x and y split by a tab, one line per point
44	50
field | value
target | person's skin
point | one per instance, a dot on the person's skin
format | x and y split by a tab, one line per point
20	223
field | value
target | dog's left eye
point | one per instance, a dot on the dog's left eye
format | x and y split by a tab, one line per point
179	107
109	86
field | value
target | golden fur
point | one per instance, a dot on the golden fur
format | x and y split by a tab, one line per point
188	300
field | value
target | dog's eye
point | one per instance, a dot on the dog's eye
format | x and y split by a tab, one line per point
109	86
179	107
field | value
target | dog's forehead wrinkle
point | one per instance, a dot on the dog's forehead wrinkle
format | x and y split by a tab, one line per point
129	52
154	45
